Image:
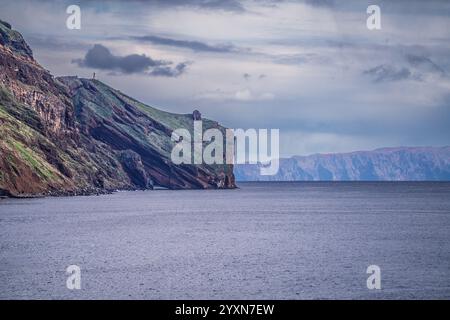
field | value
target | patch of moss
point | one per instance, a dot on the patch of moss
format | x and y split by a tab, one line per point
33	160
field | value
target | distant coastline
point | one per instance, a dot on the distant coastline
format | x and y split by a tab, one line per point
386	164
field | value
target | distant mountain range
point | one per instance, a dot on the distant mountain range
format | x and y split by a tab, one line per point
387	164
79	136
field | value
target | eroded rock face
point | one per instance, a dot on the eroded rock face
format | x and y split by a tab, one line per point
79	136
32	85
132	163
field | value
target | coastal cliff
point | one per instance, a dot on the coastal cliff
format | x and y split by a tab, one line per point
79	136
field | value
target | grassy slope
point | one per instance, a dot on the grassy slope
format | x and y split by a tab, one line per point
175	121
100	105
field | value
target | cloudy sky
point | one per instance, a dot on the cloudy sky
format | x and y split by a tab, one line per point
310	68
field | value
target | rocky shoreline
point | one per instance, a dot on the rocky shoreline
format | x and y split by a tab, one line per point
61	193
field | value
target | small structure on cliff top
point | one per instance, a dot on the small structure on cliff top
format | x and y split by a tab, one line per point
196	115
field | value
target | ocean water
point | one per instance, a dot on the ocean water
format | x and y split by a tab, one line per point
262	241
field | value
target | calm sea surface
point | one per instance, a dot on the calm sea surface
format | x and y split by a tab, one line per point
262	241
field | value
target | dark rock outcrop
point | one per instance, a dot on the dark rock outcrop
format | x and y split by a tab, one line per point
196	115
132	163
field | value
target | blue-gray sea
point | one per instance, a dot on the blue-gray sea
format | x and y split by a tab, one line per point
261	241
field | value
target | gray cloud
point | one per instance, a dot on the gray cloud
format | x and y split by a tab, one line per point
228	5
165	71
225	5
320	3
100	57
56	43
413	67
301	58
192	45
314	3
248	76
425	64
384	72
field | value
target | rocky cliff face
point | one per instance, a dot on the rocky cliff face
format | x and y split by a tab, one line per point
388	164
76	136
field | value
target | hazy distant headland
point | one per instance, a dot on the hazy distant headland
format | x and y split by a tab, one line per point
387	164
